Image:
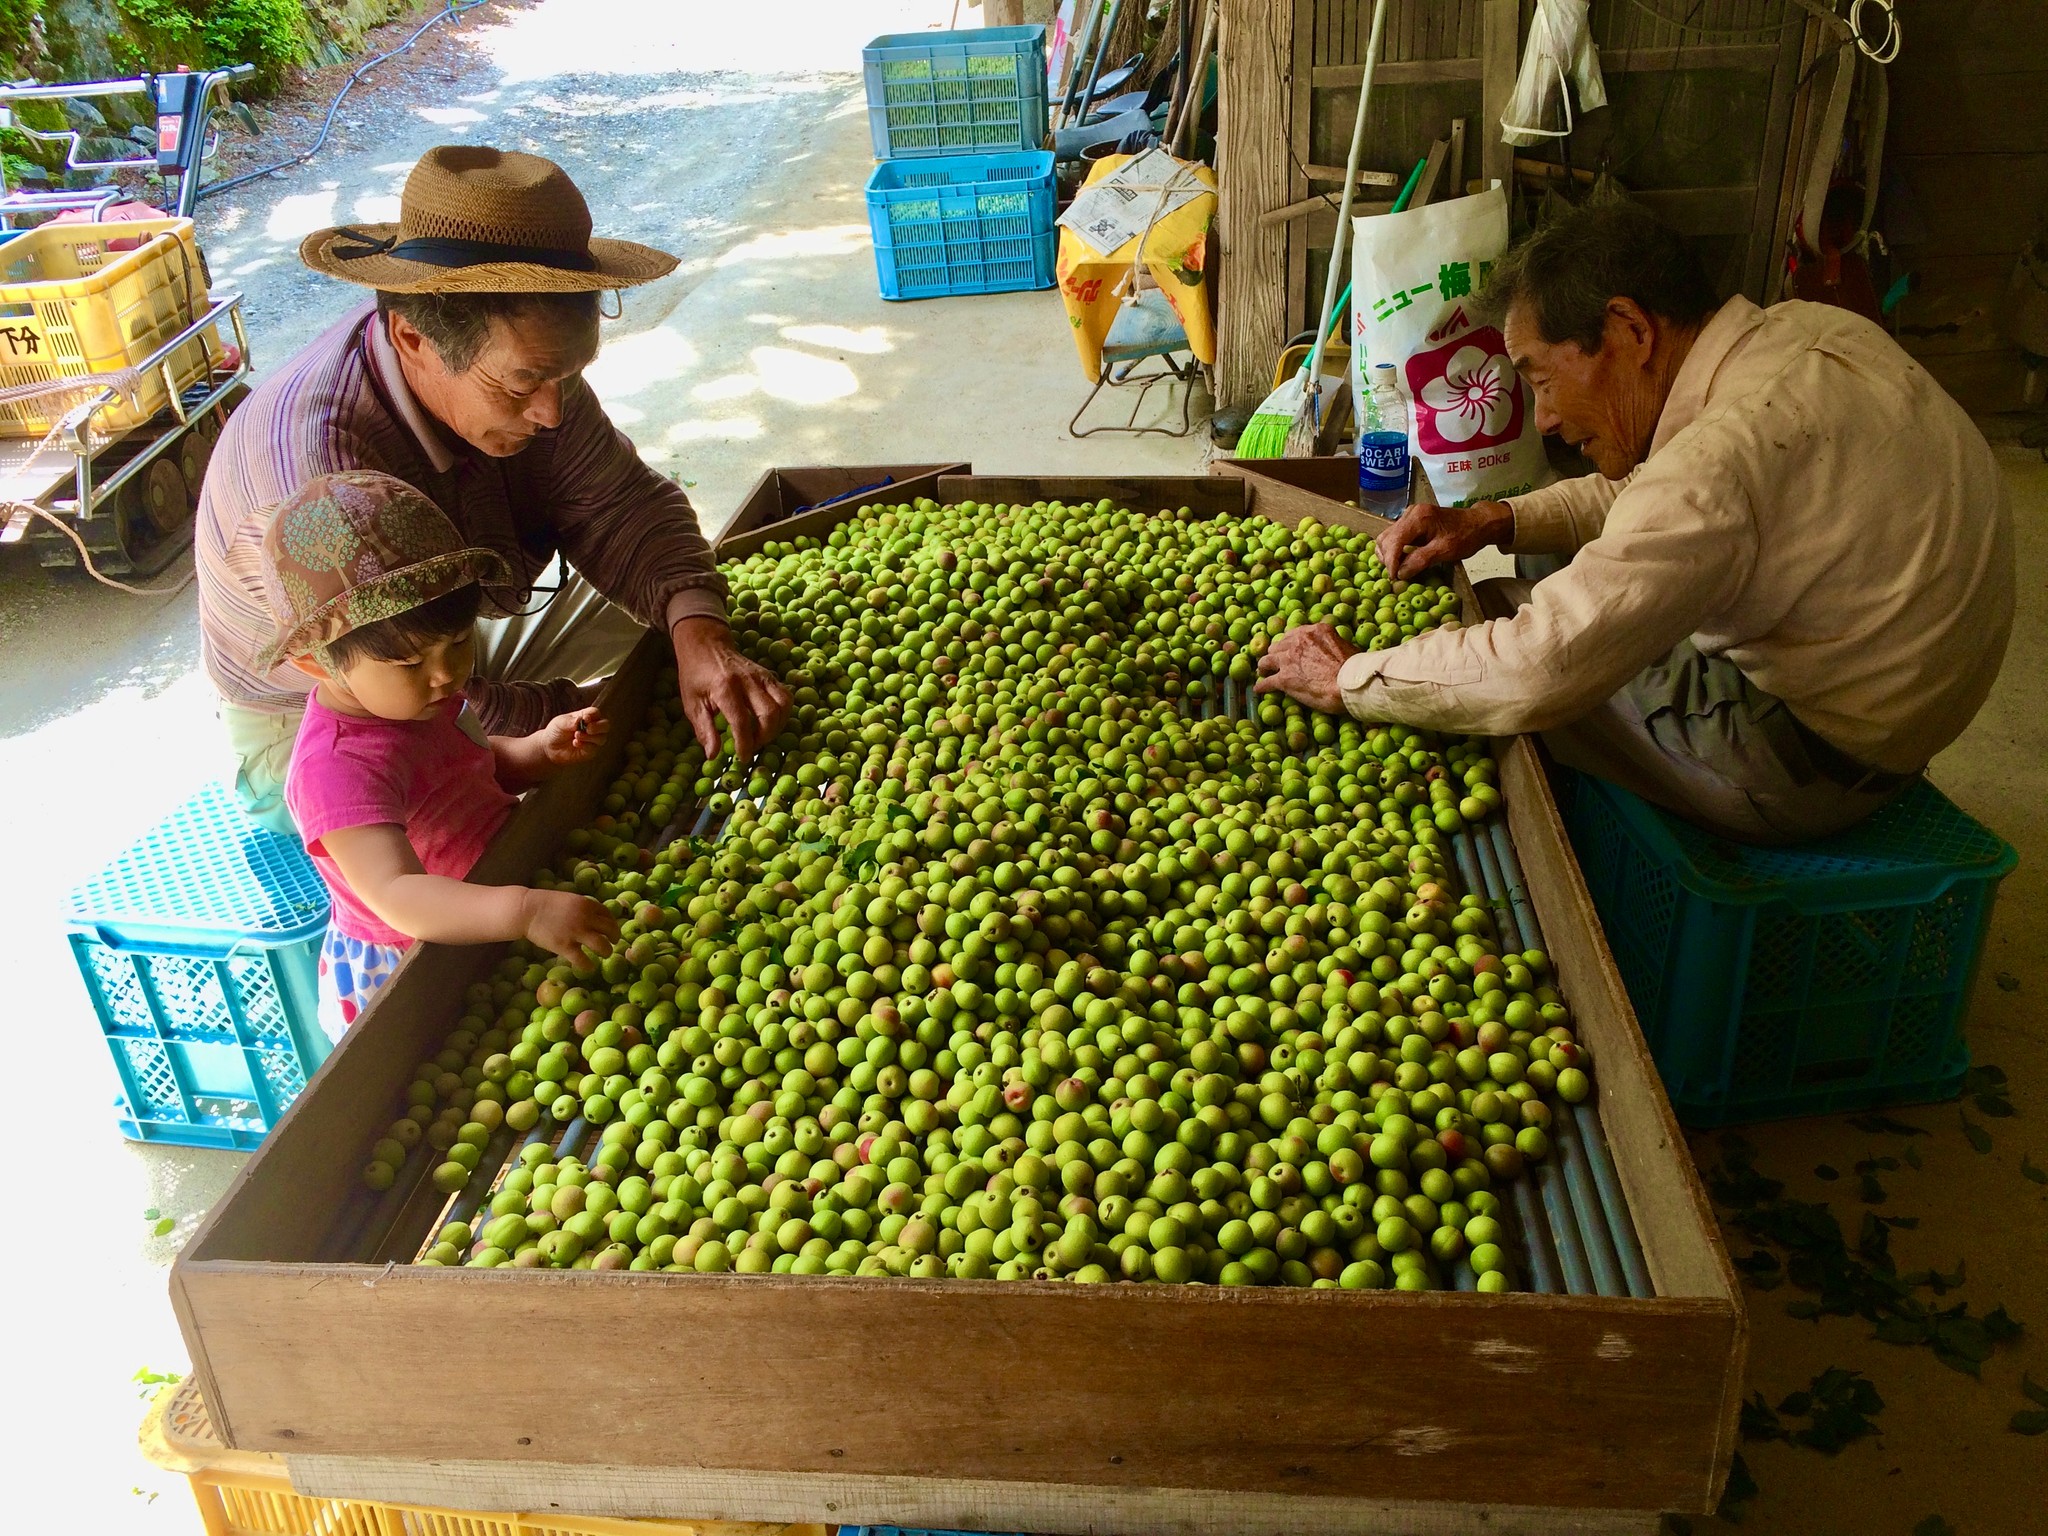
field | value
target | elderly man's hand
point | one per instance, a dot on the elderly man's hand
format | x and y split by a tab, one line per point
716	680
1429	535
1303	664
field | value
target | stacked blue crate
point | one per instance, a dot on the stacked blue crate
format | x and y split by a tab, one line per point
199	948
962	199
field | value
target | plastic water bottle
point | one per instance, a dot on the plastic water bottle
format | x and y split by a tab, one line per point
1383	446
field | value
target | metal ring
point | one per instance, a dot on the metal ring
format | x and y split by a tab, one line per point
1888	50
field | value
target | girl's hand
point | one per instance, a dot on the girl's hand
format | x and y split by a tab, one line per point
569	924
574	738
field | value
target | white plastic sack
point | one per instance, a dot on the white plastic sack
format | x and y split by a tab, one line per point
1560	45
1471	420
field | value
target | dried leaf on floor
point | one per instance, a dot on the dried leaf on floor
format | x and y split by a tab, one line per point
1980	1139
1739	1490
1885	1125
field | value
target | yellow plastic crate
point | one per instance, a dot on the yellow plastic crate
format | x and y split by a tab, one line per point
247	1493
70	308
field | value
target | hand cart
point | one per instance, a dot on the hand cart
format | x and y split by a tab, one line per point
102	479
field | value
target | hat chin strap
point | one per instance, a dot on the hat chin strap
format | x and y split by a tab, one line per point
353	245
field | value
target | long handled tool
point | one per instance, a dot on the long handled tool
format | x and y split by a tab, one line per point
1116	10
1287	424
1077	61
1188	113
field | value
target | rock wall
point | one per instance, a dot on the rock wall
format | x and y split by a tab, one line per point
87	39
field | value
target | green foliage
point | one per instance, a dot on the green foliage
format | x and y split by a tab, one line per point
271	34
171	20
16	17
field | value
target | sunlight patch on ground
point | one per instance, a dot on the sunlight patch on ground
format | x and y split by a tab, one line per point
801	378
293	218
630	364
787	245
728	428
451	117
381	209
841	338
734	386
782	373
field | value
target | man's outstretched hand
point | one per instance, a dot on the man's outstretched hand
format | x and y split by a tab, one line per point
1303	664
1429	535
717	681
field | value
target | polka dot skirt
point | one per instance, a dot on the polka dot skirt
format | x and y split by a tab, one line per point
352	972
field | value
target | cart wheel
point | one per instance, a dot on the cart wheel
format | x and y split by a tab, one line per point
153	517
195	452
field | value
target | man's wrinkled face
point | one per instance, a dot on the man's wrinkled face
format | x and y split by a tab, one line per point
510	391
1603	403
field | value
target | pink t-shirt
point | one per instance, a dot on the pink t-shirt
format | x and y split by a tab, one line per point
434	777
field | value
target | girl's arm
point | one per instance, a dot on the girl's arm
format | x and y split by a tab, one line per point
382	869
523	761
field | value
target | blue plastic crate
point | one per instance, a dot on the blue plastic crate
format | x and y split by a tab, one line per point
200	949
1813	979
951	93
963	224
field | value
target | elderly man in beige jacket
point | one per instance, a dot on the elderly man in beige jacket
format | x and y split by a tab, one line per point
1789	585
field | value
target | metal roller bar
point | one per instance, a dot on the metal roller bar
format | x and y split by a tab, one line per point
1564	1228
1607	1182
1535	1235
1467	857
383	1217
1516	888
467	1201
1504	914
1608	1278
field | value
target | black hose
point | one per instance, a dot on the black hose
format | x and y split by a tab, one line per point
453	9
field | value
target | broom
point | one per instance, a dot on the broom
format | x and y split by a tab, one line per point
1285	426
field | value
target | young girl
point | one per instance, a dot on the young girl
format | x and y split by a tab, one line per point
393	784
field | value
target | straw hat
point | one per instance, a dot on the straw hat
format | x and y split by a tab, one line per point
355	548
479	220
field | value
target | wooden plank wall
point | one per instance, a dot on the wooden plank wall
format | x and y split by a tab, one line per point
1255	39
1968	151
1698	125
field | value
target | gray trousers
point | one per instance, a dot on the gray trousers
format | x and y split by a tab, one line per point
1692	734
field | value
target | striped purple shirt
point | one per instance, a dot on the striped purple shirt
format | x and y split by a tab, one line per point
579	489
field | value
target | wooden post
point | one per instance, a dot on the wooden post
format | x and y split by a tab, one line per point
1252	174
1499	56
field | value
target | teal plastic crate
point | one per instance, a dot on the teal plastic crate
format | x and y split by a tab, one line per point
951	93
200	950
963	224
1812	979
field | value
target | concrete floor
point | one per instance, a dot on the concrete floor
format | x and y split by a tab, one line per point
770	347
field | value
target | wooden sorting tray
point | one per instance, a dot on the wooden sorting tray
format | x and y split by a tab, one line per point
781	494
1034	1406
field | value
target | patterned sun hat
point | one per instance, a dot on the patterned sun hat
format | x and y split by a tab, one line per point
352	548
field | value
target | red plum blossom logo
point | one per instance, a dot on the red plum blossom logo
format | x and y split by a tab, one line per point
1467	394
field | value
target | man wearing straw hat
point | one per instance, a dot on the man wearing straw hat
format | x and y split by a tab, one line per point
465	381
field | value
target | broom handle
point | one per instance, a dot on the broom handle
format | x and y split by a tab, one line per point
1372	59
